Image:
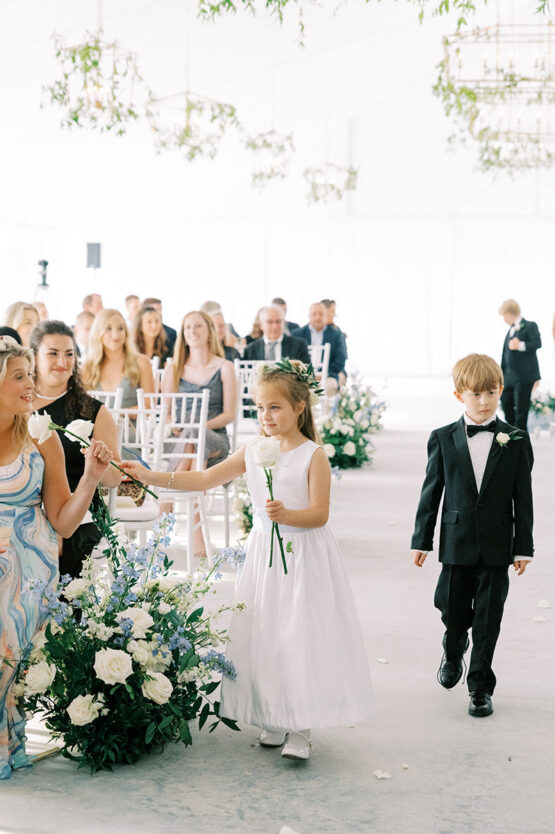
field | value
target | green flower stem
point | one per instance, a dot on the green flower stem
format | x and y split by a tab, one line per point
275	526
86	443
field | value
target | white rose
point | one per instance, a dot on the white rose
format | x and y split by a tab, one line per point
39	677
75	588
169	582
83	709
104	632
140	651
140	618
54	627
38	427
164	608
349	448
158	688
82	428
265	451
39	640
113	665
160	661
18	690
502	438
329	449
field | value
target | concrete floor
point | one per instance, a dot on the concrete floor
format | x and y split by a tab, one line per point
464	775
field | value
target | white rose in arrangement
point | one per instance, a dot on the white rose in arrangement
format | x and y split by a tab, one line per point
38	427
39	677
104	632
18	690
168	583
54	627
82	428
140	618
349	448
265	451
158	688
83	709
140	651
364	424
39	640
113	666
502	438
160	661
164	608
75	588
329	449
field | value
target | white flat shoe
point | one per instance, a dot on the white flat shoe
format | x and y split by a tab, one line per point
269	739
297	746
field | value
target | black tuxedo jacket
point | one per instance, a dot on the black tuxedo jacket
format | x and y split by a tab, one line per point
337	347
522	365
492	526
171	336
291	348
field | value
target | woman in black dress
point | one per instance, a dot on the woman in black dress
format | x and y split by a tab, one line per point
60	393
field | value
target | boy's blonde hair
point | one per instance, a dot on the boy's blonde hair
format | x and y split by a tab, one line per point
510	306
477	372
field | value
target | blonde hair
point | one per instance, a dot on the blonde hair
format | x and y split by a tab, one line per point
182	351
15	313
295	390
13	350
92	367
477	372
510	306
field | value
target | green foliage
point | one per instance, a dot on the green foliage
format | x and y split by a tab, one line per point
329	181
543	404
199	129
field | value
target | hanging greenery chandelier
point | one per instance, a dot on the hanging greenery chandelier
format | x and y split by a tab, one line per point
329	182
498	85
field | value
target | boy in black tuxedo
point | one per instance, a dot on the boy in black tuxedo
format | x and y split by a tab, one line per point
519	363
483	465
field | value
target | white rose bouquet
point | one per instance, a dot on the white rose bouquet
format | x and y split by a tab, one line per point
265	453
129	656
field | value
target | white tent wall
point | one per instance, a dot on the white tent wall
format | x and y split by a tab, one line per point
418	257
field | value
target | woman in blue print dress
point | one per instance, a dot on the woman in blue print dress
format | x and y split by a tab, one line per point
35	504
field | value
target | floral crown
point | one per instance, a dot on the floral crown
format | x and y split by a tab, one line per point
8	343
303	372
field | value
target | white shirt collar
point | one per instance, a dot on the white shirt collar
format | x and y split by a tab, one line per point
470	422
277	341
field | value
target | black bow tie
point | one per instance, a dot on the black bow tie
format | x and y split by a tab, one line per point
472	430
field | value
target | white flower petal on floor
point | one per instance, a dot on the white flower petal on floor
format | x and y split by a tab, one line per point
382	660
381	774
543	603
540	620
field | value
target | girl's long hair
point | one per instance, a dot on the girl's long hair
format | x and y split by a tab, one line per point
78	401
12	350
181	352
92	367
295	391
160	347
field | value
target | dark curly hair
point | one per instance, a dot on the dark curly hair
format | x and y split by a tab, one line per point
78	401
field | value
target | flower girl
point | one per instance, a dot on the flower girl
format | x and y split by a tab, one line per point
297	648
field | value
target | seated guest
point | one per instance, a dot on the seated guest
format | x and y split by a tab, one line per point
171	334
41	310
132	305
9	331
93	303
317	333
149	337
59	392
256	331
225	338
274	344
210	307
22	317
198	363
331	312
81	331
112	362
289	326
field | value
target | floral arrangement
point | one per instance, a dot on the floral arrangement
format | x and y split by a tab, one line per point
243	506
96	87
346	434
544	404
128	655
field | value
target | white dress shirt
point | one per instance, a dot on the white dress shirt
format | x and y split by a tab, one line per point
277	357
316	336
514	332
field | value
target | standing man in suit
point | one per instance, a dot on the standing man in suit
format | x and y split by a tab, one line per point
316	332
288	326
519	363
481	467
274	344
171	334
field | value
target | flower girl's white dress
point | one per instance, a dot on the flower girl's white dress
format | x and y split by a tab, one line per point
297	648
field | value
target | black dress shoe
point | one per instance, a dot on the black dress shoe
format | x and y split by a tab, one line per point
480	704
450	671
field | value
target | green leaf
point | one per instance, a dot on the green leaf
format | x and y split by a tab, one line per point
150	731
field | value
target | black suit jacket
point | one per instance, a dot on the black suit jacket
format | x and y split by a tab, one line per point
492	526
522	365
334	336
291	348
171	336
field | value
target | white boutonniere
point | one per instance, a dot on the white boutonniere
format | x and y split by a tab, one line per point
504	439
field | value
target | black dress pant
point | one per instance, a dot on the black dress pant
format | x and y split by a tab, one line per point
515	401
473	596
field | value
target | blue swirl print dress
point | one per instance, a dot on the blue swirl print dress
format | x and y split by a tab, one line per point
32	554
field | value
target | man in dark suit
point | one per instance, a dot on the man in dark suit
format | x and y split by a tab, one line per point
482	468
317	333
171	334
274	344
519	363
288	326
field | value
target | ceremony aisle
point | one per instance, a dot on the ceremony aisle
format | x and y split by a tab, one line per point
449	773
